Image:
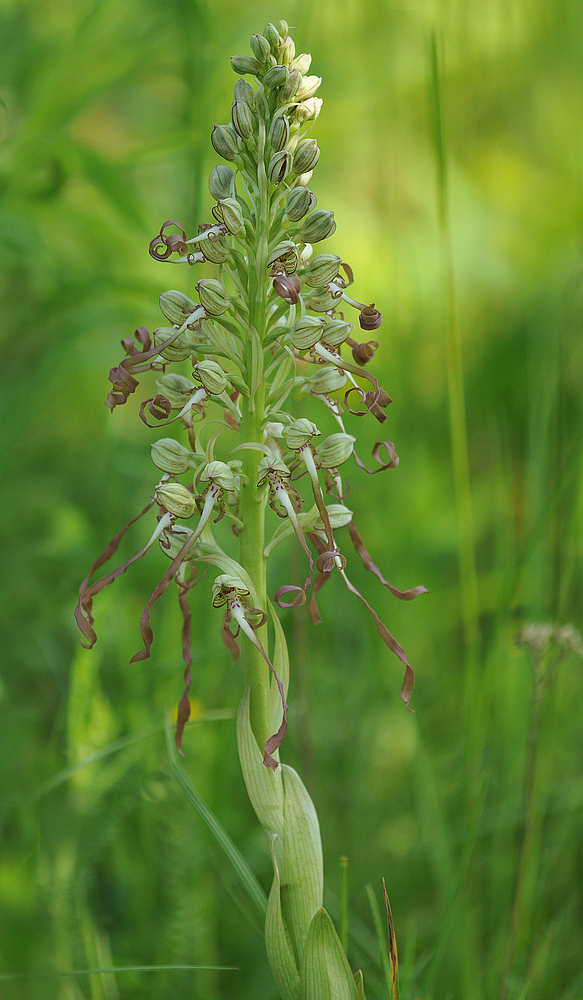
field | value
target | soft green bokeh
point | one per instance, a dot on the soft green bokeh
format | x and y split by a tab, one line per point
105	116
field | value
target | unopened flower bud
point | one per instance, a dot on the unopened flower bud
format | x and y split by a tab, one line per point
176	499
308	109
298	203
304	179
170	456
322	269
317	226
338	515
242	119
244	92
302	62
176	306
275	77
306	332
213	296
298	433
306	156
212	376
279	133
285	253
215	250
336	331
176	388
224	141
223	584
287	51
308	87
283	28
327	379
279	167
370	318
178	351
271	33
260	47
290	87
245	64
219	473
228	210
221	179
335	450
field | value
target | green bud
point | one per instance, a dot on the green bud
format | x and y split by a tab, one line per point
304	179
306	332
327	379
298	433
289	88
271	33
338	515
275	77
221	179
213	296
242	118
302	63
335	332
222	584
244	92
260	47
178	351
176	499
224	141
170	456
245	64
279	133
335	450
283	28
308	87
279	167
177	307
306	156
298	203
287	50
215	250
220	474
212	376
317	226
286	253
322	269
176	388
228	210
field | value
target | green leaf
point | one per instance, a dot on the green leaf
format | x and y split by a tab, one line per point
277	940
359	983
236	860
302	872
326	974
264	786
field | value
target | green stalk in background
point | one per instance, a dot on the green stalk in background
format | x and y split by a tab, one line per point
269	324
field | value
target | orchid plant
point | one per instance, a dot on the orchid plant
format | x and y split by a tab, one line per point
272	323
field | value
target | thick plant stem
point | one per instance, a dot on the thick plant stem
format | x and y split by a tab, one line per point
251	545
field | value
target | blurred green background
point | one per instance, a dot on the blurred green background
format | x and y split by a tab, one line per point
452	154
